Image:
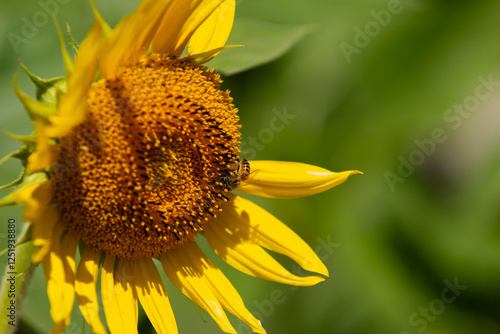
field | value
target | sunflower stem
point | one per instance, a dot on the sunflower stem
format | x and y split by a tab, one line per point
16	279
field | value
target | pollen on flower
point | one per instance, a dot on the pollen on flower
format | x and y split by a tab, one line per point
141	175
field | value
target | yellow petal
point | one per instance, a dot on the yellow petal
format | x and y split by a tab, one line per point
196	264
131	38
85	288
59	271
236	248
153	297
264	229
42	232
36	198
290	179
44	154
119	298
185	275
72	107
106	29
213	33
165	26
181	20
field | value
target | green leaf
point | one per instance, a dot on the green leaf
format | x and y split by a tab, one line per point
265	42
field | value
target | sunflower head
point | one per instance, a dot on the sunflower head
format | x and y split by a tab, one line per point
140	176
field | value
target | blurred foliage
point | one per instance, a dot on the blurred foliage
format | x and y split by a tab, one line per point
390	250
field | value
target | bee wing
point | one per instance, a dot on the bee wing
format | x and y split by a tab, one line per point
250	178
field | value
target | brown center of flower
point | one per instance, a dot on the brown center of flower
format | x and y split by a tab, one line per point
150	165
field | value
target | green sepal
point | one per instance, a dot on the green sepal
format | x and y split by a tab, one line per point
47	90
37	110
27	180
81	246
23	152
31	139
54	93
30	268
25	237
68	62
8	200
16	182
72	41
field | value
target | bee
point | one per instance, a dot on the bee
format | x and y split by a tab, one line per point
157	182
244	170
234	175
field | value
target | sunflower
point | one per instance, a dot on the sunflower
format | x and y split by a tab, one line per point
135	152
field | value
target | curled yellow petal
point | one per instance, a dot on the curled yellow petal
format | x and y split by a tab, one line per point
119	298
179	23
153	296
264	229
290	179
213	33
85	288
236	248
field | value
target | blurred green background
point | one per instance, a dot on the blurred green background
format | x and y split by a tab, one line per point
376	86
